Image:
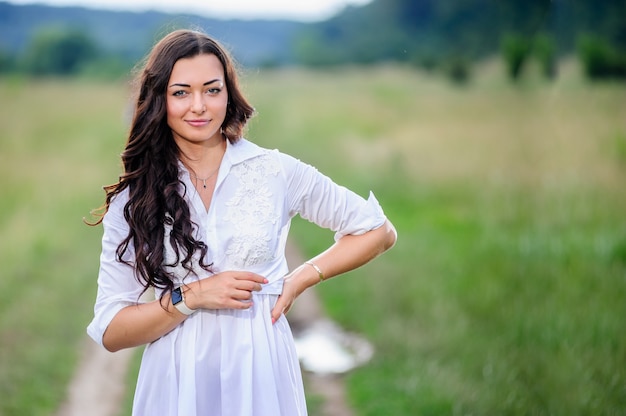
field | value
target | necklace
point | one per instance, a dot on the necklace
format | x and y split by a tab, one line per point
214	172
205	179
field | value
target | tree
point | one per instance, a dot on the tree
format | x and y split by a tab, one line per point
545	51
515	49
600	59
7	62
56	51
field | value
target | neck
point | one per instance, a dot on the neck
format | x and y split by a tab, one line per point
203	159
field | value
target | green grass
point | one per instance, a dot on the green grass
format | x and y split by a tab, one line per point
504	294
57	141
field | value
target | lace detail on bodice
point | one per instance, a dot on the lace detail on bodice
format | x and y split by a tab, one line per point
252	212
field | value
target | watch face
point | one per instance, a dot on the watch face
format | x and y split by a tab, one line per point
177	296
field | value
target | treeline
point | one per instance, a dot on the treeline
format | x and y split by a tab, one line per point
445	35
451	34
79	40
63	52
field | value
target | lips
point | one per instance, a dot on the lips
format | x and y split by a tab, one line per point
198	123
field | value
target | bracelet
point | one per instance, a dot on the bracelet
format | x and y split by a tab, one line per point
317	269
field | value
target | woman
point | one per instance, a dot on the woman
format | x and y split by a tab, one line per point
200	218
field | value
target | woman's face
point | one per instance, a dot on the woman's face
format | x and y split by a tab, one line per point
196	99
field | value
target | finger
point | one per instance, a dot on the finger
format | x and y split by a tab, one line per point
237	304
277	310
253	277
249	286
242	295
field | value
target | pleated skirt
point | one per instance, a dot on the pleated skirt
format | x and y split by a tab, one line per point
223	363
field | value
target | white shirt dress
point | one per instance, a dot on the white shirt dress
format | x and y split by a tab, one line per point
231	362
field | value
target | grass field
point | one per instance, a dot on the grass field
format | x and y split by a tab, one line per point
506	291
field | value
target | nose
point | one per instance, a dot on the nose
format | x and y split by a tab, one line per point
197	105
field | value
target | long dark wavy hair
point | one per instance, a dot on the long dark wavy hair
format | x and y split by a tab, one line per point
150	162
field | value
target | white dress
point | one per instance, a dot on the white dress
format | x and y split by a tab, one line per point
231	362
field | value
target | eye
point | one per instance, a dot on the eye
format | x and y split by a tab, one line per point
213	91
179	93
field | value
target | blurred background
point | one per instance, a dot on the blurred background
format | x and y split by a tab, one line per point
492	132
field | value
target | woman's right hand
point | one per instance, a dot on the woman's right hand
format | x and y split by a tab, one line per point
226	290
143	323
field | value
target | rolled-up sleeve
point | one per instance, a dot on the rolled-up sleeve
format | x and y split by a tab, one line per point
117	285
315	197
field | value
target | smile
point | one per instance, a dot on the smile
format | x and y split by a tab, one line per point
197	123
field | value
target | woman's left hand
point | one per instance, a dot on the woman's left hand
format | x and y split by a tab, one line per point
285	300
348	253
294	284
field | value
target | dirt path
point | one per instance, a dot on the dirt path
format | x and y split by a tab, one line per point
305	312
99	384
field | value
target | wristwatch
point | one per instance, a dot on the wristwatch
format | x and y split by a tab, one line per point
178	300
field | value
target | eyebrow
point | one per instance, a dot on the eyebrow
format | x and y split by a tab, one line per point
189	86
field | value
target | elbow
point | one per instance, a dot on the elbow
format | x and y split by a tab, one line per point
109	345
382	238
391	235
111	348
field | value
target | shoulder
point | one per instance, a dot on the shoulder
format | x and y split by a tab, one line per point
115	212
119	201
246	151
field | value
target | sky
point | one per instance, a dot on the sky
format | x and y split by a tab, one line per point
301	10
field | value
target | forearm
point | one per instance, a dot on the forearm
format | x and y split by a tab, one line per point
141	324
353	251
348	253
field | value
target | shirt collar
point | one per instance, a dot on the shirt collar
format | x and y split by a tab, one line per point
241	151
236	153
